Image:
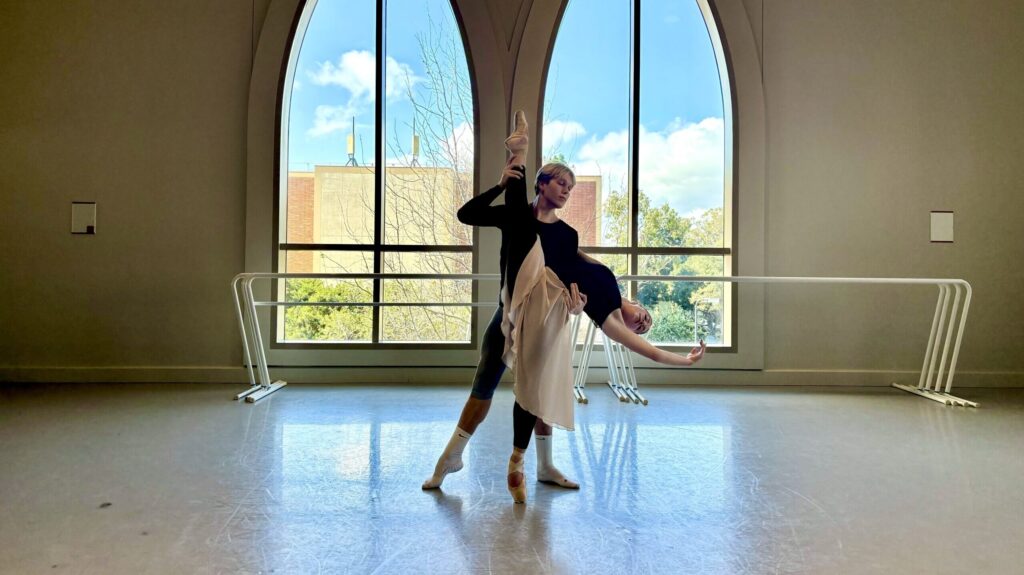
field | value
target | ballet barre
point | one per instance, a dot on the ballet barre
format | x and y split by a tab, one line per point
945	321
248	323
935	381
621	374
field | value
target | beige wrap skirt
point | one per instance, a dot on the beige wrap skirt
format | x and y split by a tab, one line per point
537	341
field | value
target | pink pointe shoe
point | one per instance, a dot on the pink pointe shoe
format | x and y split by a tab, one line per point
518	492
518	141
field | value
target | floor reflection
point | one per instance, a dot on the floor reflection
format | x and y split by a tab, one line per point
648	476
322	479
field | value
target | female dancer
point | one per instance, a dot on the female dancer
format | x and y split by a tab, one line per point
522	224
536	313
478	211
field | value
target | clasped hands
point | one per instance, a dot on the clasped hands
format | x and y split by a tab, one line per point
576	300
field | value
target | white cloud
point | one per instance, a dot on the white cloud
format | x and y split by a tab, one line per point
356	72
682	165
459	147
399	79
559	134
606	157
329	119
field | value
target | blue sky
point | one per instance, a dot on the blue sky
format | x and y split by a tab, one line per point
587	97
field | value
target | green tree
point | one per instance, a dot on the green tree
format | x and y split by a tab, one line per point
323	323
708	298
673	323
672	303
558	157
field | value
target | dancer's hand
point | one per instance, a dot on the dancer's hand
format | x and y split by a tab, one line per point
577	300
697	353
511	172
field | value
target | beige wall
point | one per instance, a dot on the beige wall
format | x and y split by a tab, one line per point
140	107
879	112
874	113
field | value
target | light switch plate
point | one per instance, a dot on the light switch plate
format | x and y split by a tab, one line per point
942	227
83	217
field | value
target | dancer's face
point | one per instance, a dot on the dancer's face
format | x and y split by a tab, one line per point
636	317
556	191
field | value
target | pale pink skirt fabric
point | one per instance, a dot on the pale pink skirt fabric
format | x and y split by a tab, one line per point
537	342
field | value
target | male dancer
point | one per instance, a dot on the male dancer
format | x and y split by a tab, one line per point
625	319
479	212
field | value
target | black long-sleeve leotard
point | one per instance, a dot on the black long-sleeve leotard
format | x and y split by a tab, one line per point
519	229
602	290
559	241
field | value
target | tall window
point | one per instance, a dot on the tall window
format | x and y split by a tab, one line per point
634	104
379	155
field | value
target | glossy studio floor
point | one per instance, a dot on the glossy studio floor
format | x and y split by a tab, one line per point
326	479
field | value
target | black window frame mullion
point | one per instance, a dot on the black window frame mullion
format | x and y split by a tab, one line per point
369	248
378	170
634	145
659	251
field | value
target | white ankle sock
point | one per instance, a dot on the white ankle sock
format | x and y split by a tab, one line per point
546	470
543	450
451	460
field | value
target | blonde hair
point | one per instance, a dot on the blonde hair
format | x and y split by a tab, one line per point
550	171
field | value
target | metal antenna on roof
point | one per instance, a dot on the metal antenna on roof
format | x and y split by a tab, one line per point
352	145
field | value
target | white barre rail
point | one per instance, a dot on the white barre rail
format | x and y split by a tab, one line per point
622	378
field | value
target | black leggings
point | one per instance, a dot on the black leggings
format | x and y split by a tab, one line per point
521	234
522	426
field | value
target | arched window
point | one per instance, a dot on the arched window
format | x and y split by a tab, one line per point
636	104
377	138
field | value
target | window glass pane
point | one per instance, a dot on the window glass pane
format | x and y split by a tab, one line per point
682	145
586	116
343	199
428	323
683	312
323	324
330	125
421	204
429	125
331	195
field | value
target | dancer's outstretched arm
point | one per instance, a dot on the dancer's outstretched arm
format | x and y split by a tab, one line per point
616	329
478	211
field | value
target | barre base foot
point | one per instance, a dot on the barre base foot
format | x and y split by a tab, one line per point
265	391
615	390
941	397
249	391
580	397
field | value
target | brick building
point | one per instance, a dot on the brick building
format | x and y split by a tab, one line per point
583	211
334	204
